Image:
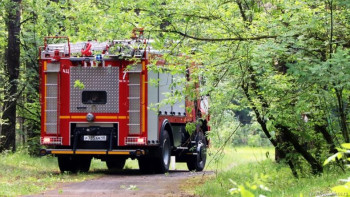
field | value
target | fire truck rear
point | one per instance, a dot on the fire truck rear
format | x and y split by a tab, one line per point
96	102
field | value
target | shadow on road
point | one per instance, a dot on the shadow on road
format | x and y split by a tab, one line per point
133	172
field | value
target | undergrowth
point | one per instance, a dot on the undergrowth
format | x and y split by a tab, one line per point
21	174
267	178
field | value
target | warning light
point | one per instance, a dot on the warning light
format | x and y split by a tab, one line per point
99	57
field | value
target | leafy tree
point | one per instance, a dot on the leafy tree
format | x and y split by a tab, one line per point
279	58
285	61
8	129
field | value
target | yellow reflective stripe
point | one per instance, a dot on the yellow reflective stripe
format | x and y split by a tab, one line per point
90	152
45	66
118	153
123	117
106	117
78	117
61	152
97	117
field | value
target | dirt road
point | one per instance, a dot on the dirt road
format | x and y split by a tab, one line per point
129	183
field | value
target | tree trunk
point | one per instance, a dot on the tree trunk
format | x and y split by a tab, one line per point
8	142
323	130
315	165
281	153
342	114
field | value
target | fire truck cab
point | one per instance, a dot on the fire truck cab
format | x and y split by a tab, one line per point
97	102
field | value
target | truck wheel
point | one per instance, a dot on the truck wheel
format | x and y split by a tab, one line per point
67	163
197	162
163	162
84	163
115	163
145	165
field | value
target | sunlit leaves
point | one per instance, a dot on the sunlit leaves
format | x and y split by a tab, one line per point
338	155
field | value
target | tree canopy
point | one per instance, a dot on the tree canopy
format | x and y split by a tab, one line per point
287	62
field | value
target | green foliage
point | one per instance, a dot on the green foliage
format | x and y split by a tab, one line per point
79	84
190	127
272	176
276	59
256	186
344	189
250	135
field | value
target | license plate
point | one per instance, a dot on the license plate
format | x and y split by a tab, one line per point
95	138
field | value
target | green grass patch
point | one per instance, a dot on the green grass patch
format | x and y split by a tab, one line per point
21	174
227	158
250	169
230	157
223	160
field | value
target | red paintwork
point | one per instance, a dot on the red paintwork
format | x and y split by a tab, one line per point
86	52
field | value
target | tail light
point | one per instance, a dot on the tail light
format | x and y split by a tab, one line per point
135	141
51	140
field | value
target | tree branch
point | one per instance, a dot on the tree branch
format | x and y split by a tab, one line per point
218	39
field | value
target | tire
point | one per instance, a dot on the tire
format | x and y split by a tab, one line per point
163	160
70	163
83	163
115	163
197	162
67	163
145	165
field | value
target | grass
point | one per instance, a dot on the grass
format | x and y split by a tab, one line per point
222	161
21	174
249	169
230	157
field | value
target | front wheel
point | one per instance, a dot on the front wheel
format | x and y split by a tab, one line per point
197	161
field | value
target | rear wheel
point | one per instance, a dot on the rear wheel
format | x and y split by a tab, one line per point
163	162
145	165
84	163
74	163
115	163
67	163
197	162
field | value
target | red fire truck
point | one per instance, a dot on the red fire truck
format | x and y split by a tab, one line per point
97	102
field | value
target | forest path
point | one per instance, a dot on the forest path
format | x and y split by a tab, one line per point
129	183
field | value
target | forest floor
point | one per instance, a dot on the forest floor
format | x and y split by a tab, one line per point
129	183
21	174
176	183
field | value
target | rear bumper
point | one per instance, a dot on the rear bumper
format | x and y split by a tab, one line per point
132	153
